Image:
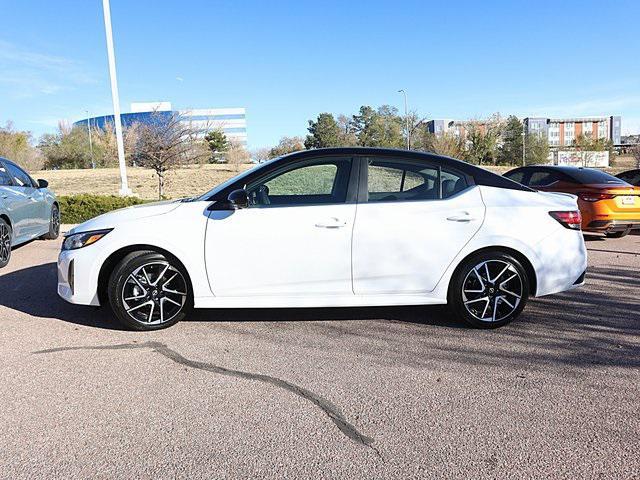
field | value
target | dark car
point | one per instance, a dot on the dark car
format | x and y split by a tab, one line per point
631	176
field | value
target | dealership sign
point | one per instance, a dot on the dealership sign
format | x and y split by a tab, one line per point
583	159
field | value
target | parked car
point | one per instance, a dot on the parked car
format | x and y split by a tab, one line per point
607	204
332	228
28	209
632	177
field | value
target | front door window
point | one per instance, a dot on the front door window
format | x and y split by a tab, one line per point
319	182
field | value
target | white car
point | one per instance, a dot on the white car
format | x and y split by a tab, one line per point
332	228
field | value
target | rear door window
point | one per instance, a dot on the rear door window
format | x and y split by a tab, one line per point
542	178
390	180
400	180
516	176
452	183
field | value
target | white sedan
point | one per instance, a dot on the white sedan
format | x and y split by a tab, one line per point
332	228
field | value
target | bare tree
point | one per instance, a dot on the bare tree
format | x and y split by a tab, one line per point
237	155
446	144
165	142
635	151
260	155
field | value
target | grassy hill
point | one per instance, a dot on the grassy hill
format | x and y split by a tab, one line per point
183	182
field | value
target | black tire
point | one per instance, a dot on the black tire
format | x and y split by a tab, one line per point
619	234
471	305
5	243
54	224
138	280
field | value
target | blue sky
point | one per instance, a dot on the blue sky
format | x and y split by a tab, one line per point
287	61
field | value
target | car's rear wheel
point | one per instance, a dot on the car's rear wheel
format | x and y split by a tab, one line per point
619	234
148	291
489	289
54	224
5	243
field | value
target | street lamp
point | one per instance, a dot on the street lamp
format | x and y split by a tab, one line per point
406	117
124	185
524	141
93	162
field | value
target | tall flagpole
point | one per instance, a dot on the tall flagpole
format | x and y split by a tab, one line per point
124	184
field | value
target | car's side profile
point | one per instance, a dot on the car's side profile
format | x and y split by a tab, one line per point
28	209
608	204
327	228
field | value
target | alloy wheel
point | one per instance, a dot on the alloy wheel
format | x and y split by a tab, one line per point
492	290
5	242
55	221
154	293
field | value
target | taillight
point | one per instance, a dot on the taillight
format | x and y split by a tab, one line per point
594	197
569	219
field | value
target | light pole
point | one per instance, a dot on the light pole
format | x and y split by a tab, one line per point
124	185
524	141
406	118
93	162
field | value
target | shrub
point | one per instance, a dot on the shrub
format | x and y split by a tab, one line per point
80	208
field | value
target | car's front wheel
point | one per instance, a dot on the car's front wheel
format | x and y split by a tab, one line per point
489	289
5	243
148	291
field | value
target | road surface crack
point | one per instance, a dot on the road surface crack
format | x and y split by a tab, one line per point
323	404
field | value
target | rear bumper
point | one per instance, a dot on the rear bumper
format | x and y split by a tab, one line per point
613	225
562	262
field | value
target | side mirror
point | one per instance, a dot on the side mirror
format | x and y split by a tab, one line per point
238	199
42	183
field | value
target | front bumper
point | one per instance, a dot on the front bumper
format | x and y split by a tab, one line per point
75	279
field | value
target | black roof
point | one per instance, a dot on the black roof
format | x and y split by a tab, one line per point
584	175
561	168
480	176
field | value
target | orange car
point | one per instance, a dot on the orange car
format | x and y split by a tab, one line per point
607	204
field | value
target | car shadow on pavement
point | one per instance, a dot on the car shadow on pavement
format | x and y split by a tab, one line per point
33	291
435	315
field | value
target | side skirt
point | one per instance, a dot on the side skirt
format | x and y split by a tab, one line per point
316	302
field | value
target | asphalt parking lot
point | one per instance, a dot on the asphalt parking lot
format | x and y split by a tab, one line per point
333	393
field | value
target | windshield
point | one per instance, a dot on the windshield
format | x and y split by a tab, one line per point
233	179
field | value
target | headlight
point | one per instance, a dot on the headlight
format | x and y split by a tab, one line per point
84	239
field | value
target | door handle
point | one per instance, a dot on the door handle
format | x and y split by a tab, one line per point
331	223
465	217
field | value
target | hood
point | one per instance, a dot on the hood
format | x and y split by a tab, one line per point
128	214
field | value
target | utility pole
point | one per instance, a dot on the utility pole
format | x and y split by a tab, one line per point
406	117
124	184
93	162
524	141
